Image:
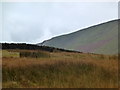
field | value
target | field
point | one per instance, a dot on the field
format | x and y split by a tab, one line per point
58	70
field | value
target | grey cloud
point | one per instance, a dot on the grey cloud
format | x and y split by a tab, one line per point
35	22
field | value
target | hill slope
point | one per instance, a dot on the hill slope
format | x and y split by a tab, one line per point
100	39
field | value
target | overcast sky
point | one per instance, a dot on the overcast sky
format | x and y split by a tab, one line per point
36	22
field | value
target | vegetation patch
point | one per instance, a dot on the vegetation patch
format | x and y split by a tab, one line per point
6	53
60	74
34	54
41	69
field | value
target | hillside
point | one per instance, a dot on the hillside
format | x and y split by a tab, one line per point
100	39
24	46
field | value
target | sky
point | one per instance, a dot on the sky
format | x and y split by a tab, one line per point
34	22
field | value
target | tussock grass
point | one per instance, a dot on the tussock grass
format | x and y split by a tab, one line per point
61	70
115	57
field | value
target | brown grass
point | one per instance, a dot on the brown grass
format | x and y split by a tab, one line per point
61	70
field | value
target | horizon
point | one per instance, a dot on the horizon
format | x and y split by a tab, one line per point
62	34
19	27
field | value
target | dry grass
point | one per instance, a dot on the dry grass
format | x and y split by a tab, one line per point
61	70
6	53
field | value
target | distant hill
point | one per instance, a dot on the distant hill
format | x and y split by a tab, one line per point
99	39
24	46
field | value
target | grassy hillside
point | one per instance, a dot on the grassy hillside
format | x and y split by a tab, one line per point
100	39
59	70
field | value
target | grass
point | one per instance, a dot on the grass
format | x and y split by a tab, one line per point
6	53
61	70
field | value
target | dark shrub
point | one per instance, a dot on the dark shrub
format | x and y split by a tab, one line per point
34	54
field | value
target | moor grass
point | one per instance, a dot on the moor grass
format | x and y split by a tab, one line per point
61	70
